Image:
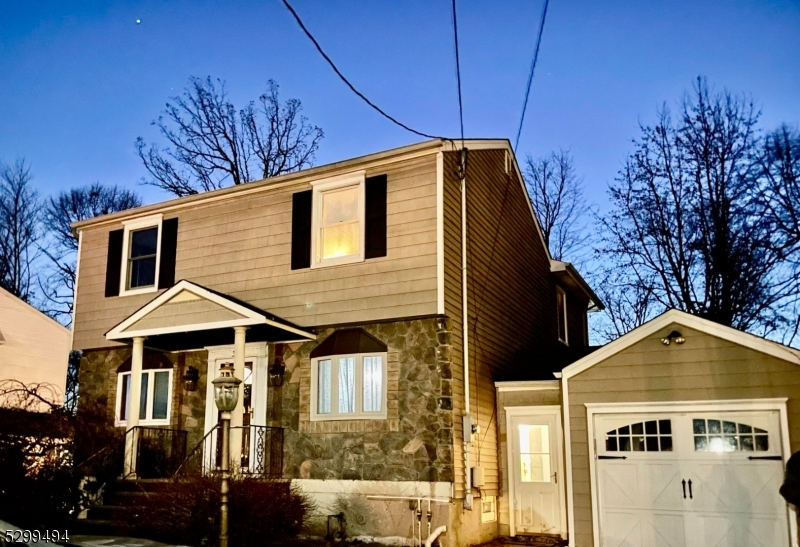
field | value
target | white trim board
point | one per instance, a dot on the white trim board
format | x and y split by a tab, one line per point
593	409
440	233
669	317
250	317
530	385
530	411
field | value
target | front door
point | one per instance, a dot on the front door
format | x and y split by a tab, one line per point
535	461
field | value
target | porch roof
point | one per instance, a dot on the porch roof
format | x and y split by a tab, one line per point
190	316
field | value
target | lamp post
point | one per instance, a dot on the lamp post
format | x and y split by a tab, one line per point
226	395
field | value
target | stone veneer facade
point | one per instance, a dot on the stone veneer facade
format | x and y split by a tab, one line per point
414	443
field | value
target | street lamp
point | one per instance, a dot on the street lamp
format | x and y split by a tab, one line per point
226	395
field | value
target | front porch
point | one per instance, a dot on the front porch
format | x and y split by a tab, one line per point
159	441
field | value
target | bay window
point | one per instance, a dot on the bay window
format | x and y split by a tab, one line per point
348	387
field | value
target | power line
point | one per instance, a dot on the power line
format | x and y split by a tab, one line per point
530	76
347	82
458	74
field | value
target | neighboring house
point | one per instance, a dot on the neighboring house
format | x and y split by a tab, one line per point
34	349
338	294
674	434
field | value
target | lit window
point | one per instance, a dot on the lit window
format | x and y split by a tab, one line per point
338	220
725	436
534	453
649	436
349	386
561	306
154	399
140	255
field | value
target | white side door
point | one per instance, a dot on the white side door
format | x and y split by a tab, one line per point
535	461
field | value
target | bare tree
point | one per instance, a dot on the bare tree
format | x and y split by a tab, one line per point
556	194
779	163
685	226
19	229
213	145
57	280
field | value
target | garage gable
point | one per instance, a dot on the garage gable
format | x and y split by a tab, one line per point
709	338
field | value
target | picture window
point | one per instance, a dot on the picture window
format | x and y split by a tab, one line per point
349	387
154	401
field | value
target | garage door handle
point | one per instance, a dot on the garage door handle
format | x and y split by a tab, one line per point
690	489
683	483
612	457
776	458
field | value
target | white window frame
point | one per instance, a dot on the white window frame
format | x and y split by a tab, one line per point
356	179
359	366
148	420
560	292
153	221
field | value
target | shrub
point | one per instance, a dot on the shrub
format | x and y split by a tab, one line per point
260	512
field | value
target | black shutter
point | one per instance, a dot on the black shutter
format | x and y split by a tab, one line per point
301	230
114	262
169	246
375	228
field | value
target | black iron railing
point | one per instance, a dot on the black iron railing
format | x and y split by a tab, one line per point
259	454
158	452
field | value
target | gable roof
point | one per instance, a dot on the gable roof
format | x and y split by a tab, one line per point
673	316
189	307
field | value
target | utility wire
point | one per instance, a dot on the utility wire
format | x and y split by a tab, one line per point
347	82
530	76
458	74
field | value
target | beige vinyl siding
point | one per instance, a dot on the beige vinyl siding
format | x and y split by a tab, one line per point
543	397
194	312
35	348
241	246
704	368
509	287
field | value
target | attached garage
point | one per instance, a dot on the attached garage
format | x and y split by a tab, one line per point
677	436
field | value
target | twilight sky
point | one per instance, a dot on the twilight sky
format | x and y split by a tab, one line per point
80	80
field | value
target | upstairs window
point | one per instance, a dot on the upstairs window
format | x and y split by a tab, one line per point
338	221
141	249
561	315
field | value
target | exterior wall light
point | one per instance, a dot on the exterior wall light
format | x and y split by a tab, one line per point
190	378
276	372
674	336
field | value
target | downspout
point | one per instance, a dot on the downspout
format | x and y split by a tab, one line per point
467	421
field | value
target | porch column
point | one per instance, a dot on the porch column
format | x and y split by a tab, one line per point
135	391
236	415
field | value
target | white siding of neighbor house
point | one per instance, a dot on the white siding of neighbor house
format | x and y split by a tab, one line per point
34	349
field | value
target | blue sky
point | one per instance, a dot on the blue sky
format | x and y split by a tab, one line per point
81	80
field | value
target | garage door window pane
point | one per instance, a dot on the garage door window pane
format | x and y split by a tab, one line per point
726	436
647	436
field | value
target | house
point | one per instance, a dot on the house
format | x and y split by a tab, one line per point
676	433
24	357
368	305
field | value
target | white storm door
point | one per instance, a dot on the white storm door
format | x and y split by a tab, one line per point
536	464
733	466
639	482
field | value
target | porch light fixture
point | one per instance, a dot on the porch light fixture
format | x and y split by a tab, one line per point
674	336
226	389
276	372
190	378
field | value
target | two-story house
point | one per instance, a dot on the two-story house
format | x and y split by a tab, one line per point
368	305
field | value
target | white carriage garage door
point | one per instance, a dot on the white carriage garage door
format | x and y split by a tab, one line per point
686	479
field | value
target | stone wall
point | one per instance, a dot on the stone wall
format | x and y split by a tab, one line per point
98	387
414	443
